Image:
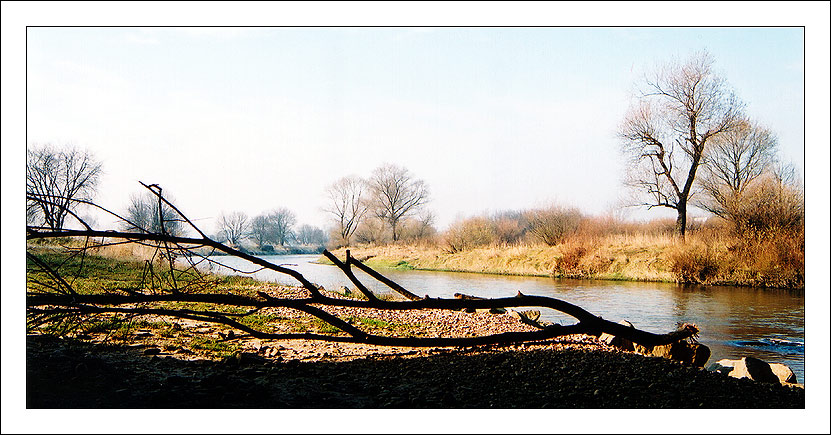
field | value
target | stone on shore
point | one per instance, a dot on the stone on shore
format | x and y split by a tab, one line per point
784	373
695	354
723	366
754	368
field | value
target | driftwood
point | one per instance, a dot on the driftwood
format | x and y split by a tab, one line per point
60	301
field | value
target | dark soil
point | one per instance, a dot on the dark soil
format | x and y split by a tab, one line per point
63	373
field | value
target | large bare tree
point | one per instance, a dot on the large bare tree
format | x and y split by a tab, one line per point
233	227
58	176
734	160
261	230
680	110
396	195
282	221
348	205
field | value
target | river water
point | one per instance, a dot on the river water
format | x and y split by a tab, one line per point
734	321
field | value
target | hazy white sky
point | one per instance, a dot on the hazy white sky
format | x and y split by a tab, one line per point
251	119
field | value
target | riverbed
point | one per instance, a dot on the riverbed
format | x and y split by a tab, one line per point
768	324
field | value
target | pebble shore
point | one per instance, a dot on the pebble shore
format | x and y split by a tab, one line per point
569	372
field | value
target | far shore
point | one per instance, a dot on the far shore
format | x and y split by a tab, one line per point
613	262
278	250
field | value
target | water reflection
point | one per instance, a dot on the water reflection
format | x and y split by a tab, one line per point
734	321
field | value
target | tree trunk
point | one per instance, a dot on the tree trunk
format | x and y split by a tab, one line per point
681	221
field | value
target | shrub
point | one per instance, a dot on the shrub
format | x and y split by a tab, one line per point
371	231
570	257
769	207
553	224
468	234
509	227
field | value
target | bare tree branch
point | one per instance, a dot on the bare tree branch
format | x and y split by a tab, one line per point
66	307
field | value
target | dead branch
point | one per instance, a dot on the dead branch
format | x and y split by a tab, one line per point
64	301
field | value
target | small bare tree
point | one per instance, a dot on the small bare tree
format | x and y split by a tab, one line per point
681	110
233	227
58	177
348	205
396	195
734	160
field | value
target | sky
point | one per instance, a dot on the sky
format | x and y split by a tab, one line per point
253	119
250	119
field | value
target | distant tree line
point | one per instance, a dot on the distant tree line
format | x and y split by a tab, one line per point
267	230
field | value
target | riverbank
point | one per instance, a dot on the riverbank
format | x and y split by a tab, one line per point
157	361
271	250
620	258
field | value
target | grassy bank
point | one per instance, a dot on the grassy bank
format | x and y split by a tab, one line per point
708	259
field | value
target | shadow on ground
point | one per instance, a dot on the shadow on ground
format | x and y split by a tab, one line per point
73	374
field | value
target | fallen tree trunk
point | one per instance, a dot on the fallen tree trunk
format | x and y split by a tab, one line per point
63	301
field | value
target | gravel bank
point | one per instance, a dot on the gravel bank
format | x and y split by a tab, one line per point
567	374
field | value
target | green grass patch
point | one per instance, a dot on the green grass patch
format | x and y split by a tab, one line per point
214	346
93	274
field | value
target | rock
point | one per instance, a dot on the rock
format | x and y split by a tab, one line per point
781	371
695	354
724	366
755	369
784	373
153	351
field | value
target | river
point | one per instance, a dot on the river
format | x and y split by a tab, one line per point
767	324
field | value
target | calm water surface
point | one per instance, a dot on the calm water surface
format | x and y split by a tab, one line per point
734	321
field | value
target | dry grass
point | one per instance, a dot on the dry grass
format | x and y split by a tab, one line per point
707	256
126	251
